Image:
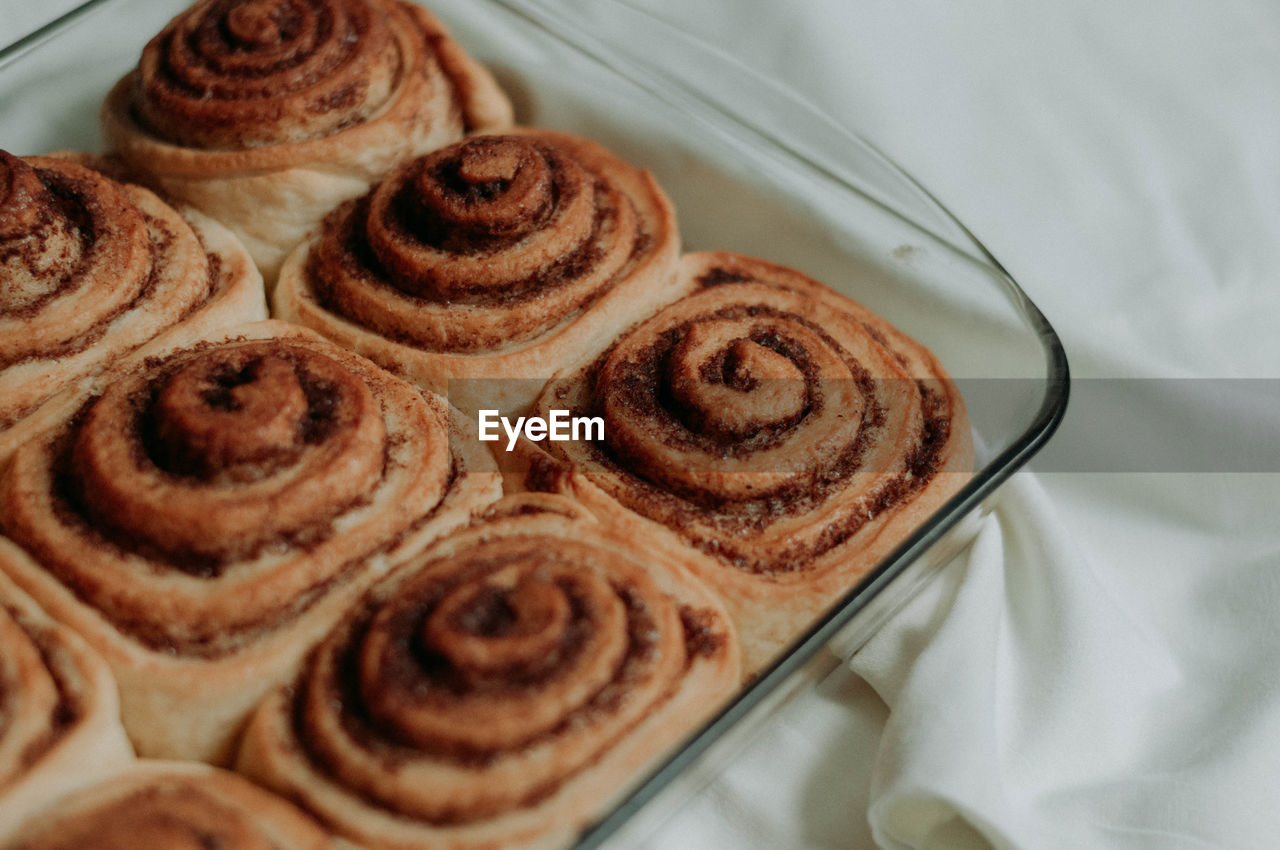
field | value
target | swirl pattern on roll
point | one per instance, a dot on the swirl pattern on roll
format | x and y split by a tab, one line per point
499	256
211	500
36	691
266	114
234	74
92	269
501	689
59	719
174	806
782	429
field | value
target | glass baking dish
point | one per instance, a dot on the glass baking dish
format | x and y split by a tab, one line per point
750	168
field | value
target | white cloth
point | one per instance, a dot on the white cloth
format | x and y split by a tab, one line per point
1100	668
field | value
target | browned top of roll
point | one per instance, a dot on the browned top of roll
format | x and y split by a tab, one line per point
222	489
236	74
77	252
503	666
41	690
764	416
489	242
63	229
164	806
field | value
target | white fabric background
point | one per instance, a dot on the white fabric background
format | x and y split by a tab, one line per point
1102	667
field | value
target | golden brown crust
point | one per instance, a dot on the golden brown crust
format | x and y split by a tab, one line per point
59	718
94	270
206	517
267	114
173	806
497	260
501	689
787	432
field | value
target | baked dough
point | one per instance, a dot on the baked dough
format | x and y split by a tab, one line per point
502	689
482	269
785	431
93	270
205	519
157	805
59	718
267	114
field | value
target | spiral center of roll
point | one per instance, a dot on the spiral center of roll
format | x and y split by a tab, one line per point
491	627
215	454
233	419
517	640
481	164
736	388
255	24
748	363
486	187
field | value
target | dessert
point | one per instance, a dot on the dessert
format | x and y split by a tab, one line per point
785	431
59	718
266	114
91	270
501	689
763	435
491	263
206	518
157	805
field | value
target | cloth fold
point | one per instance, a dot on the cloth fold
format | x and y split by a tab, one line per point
1045	710
1029	687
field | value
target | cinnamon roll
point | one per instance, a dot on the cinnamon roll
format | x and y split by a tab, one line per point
90	271
158	805
785	431
495	261
501	689
266	114
205	519
59	718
